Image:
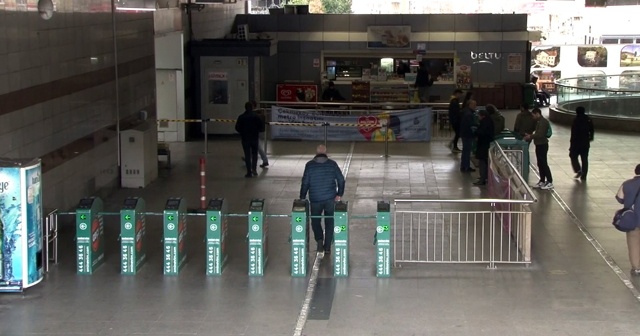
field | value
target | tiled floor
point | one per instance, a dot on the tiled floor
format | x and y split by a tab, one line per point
568	290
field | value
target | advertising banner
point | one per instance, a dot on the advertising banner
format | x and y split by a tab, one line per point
407	125
296	93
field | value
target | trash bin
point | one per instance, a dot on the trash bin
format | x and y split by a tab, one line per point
509	142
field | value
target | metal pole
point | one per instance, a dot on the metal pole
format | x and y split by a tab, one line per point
326	127
266	133
206	137
117	83
203	182
386	140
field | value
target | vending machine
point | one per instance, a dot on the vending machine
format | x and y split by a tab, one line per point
20	224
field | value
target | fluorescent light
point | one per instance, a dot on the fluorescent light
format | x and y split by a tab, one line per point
134	9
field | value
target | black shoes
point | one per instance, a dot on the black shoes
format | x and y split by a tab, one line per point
480	182
320	246
264	165
468	170
249	175
578	175
254	173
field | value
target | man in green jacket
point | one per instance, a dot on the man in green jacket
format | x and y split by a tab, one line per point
541	140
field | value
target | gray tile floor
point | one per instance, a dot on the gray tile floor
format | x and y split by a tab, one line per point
568	290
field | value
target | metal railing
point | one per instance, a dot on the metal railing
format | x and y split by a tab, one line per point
50	240
489	231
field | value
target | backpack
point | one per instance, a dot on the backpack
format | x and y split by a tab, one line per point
549	131
625	219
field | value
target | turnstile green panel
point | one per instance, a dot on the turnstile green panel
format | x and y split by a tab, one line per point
132	235
89	235
257	237
383	240
216	236
341	240
175	233
299	238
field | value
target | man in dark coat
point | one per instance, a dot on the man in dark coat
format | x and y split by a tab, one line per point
467	125
249	125
581	137
454	119
485	134
423	81
324	182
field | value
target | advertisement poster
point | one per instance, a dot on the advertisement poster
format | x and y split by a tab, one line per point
630	79
592	57
296	93
545	57
630	55
514	62
34	224
547	79
463	78
388	37
218	88
408	125
13	228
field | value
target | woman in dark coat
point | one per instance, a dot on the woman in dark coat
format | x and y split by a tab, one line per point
485	134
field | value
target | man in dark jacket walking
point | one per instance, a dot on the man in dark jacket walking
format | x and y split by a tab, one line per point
454	119
581	137
485	135
249	125
423	81
467	125
324	182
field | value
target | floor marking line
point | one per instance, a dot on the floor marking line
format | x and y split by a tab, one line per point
594	242
313	279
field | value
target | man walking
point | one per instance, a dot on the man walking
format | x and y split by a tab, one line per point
628	195
324	182
249	125
467	124
525	124
454	119
581	137
541	140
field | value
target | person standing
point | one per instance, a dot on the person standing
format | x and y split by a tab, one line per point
467	124
581	136
485	135
525	124
454	119
324	182
496	118
541	140
423	81
628	195
331	93
249	125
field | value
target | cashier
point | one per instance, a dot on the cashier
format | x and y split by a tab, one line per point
331	93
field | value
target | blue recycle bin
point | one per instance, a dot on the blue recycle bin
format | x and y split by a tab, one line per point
509	141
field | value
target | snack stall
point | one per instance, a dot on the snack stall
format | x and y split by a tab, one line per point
377	76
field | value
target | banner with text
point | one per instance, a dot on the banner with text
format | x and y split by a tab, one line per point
406	125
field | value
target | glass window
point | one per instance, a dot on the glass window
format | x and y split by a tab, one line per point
626	40
609	41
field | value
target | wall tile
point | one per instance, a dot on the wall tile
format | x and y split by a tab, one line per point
359	23
442	23
466	23
336	23
418	23
311	23
489	23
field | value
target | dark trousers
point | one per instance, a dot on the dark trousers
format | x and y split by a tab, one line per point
465	158
484	169
250	149
456	137
584	158
543	164
318	209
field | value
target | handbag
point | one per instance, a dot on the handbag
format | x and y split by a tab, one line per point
625	219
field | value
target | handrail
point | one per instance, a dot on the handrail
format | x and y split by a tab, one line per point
350	104
479	200
515	170
564	83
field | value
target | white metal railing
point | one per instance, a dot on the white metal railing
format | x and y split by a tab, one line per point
491	231
50	240
446	231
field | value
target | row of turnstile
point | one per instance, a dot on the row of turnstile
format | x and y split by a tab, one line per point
90	236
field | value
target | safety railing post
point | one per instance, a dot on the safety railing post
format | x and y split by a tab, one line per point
206	136
492	237
326	127
386	140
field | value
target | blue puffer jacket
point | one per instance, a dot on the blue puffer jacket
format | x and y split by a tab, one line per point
322	179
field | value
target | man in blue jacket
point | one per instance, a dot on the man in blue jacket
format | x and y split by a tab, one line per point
324	182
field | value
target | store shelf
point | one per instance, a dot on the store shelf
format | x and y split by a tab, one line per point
390	92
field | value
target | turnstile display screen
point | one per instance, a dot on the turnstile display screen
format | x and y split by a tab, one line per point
173	204
256	204
130	202
85	203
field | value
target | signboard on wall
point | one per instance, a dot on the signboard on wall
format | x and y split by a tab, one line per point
218	88
545	57
296	93
388	37
514	62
